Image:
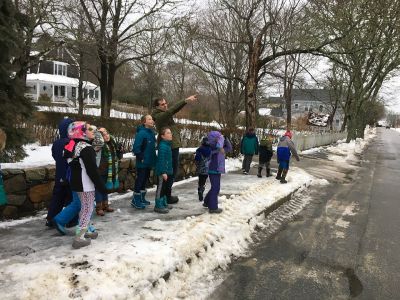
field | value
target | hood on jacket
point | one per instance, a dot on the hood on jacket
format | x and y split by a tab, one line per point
63	127
216	139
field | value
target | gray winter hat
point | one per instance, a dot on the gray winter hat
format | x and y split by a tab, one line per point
98	141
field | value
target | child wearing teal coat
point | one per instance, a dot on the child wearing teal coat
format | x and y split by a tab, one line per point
144	148
163	170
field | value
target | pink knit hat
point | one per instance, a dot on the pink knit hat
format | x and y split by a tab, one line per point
288	133
77	130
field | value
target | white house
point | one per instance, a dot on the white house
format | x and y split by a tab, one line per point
56	77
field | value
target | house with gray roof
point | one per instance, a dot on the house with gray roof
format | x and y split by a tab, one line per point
304	101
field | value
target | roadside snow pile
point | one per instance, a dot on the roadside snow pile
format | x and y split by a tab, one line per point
349	151
134	263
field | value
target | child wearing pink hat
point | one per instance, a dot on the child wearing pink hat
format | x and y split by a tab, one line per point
284	151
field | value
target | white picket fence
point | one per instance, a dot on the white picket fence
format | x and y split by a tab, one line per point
311	140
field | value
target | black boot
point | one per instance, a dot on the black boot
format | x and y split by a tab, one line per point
171	199
259	172
200	191
284	173
268	172
278	175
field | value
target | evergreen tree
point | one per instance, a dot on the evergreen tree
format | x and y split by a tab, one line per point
15	109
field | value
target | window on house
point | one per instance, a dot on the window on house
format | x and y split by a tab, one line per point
91	94
305	108
96	94
60	69
296	106
337	121
321	108
59	90
73	92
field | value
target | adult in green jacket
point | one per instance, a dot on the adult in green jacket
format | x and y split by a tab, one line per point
163	117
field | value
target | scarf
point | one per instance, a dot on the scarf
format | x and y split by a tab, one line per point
110	184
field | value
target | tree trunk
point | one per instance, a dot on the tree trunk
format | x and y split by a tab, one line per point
103	85
288	101
110	87
250	102
80	85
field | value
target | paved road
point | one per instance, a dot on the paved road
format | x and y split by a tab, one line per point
343	245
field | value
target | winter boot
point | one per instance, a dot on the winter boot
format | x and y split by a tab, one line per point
79	240
284	173
60	228
143	195
99	209
200	191
165	202
259	172
159	207
106	207
171	199
215	211
91	233
137	201
279	174
268	172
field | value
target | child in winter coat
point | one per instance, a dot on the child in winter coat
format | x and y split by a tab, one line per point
84	178
163	170
285	149
219	146
110	154
144	148
265	155
248	147
62	195
202	159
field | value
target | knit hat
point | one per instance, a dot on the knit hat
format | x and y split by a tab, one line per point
77	130
288	134
205	142
98	141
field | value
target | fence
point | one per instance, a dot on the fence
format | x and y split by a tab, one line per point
305	141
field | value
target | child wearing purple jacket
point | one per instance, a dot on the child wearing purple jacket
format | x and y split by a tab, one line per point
219	146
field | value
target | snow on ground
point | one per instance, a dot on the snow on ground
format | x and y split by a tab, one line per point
36	156
395	129
352	149
130	259
131	263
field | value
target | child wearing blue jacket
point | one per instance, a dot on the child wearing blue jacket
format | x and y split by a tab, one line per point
164	169
144	148
284	151
202	160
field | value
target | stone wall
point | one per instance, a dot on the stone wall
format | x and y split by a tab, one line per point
30	190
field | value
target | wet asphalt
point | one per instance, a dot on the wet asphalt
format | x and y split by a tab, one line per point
337	241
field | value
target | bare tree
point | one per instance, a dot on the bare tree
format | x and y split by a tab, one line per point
218	51
367	55
116	26
38	17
